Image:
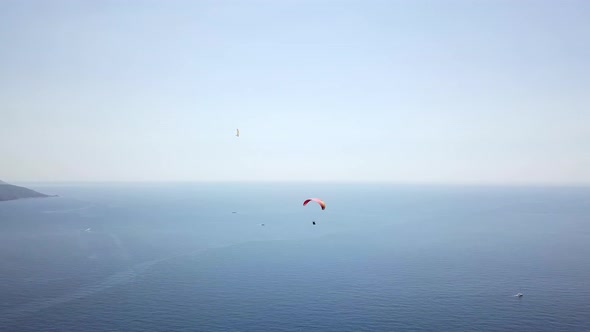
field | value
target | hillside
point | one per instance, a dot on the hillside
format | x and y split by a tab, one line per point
11	192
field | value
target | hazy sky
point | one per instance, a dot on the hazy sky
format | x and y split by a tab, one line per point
404	91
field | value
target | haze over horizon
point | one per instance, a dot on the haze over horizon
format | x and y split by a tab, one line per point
490	92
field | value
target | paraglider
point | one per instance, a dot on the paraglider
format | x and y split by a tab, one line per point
237	132
319	201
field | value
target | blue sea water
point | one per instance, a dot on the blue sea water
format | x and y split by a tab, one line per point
173	257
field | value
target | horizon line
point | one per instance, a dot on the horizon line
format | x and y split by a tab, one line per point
374	182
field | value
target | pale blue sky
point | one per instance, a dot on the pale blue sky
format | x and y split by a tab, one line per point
400	91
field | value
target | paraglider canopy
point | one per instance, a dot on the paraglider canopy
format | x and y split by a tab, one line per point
319	201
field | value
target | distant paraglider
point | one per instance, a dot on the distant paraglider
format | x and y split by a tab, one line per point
317	200
237	132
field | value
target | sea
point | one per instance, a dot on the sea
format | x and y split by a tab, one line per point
247	257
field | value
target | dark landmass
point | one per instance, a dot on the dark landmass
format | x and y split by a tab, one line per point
10	192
